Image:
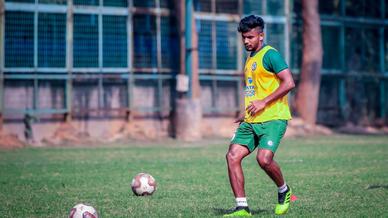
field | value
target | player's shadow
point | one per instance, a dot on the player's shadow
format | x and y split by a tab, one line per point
222	211
377	186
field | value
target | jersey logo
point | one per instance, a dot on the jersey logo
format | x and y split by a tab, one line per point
249	88
249	91
254	65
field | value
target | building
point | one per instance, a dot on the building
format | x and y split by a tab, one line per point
103	61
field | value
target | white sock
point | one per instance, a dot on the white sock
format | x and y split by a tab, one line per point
241	202
283	188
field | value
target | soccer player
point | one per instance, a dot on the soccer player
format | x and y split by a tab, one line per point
264	121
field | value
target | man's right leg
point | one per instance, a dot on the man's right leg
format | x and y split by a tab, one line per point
234	157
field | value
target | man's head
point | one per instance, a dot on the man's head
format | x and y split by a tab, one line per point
251	29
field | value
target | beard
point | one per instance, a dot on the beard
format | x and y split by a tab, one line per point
249	48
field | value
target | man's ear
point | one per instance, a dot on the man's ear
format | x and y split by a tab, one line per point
261	36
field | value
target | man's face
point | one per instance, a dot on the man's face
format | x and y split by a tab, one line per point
253	39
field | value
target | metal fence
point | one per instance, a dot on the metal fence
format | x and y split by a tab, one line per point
77	56
355	59
88	55
99	55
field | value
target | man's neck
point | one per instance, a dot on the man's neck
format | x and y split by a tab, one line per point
257	50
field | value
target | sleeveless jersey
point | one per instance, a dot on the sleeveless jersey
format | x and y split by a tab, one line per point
259	83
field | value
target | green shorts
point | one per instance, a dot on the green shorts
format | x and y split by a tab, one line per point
266	135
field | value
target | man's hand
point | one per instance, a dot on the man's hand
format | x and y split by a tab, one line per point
256	106
240	118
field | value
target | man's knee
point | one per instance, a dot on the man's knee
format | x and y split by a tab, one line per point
236	153
264	161
233	156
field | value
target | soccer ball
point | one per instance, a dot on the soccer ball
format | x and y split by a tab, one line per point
83	211
143	184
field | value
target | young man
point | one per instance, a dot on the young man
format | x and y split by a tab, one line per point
267	83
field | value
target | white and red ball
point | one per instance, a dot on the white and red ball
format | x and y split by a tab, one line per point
143	184
83	211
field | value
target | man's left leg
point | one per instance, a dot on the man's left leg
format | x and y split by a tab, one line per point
271	134
265	159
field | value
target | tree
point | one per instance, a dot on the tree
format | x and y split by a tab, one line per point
307	96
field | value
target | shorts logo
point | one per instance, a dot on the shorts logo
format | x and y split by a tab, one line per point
254	65
270	143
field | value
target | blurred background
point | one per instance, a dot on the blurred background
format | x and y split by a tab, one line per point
105	70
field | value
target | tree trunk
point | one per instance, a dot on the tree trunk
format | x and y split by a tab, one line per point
307	97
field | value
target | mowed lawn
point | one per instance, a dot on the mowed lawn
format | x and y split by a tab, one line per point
342	176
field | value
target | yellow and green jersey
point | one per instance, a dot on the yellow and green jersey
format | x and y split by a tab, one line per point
261	80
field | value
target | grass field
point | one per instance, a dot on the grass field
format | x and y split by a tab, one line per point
341	176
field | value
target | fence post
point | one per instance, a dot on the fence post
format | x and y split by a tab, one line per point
130	80
69	59
342	98
2	35
382	100
189	44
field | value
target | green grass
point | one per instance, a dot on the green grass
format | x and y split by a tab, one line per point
342	176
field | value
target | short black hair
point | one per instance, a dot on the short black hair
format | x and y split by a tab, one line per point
250	22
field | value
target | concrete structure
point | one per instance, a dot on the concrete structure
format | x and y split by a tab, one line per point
109	66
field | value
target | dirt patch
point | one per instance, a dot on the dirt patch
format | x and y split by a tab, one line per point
66	134
363	130
131	130
10	141
297	127
218	127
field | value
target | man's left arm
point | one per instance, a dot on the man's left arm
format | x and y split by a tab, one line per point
286	84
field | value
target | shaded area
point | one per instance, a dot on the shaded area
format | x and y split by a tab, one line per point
377	186
223	211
